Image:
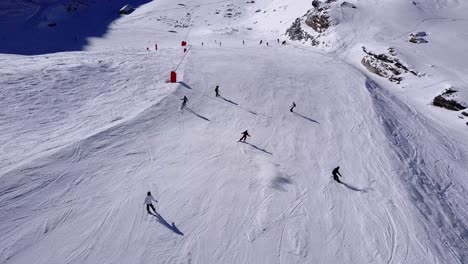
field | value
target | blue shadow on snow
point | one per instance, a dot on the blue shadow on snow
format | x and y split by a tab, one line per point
26	37
172	227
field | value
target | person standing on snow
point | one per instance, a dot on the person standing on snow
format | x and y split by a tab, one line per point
336	173
292	107
261	41
217	90
184	101
149	203
245	134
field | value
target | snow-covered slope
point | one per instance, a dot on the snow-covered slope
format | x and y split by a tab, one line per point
84	135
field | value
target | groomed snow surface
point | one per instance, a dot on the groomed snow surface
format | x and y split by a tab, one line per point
85	134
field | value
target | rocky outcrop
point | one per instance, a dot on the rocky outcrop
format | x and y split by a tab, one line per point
295	32
417	38
317	19
448	100
387	66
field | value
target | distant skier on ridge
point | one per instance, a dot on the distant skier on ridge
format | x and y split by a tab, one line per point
336	173
245	134
217	90
149	203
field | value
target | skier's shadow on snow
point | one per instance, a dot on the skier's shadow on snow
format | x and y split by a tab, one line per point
306	118
172	227
257	148
229	101
193	112
356	189
185	85
280	182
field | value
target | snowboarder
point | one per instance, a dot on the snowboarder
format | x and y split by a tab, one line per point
149	204
184	101
336	173
217	90
261	41
244	134
292	107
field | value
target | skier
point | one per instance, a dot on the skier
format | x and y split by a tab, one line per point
243	42
292	107
220	43
267	44
202	43
278	40
184	101
261	41
336	173
148	201
244	134
283	43
217	90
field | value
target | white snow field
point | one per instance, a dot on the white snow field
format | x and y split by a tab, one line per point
85	133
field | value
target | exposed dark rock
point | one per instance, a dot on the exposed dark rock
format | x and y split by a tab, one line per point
295	32
464	113
347	5
316	4
316	18
318	21
449	104
385	66
418	37
446	100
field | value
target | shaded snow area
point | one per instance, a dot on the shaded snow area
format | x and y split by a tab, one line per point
89	123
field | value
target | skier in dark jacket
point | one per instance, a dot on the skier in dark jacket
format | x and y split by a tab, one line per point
245	134
184	101
261	41
336	173
217	90
149	203
292	107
